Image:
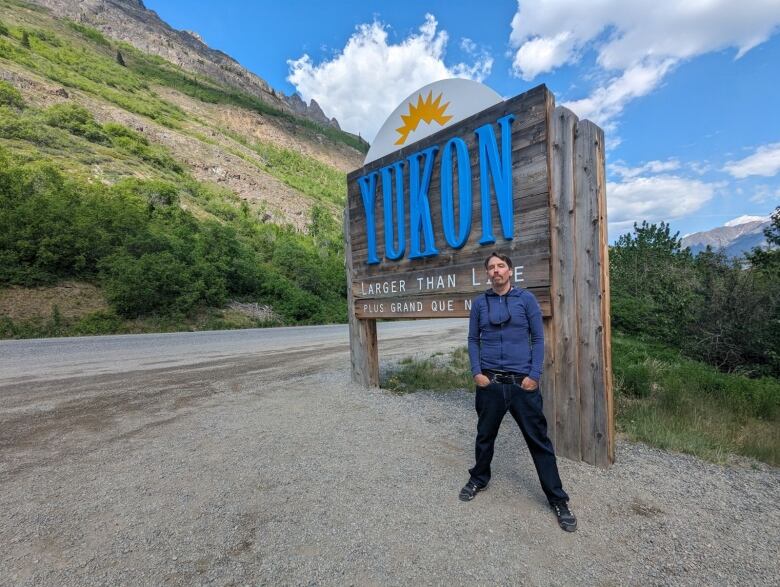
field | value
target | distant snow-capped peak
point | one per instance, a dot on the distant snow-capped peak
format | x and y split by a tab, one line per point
745	219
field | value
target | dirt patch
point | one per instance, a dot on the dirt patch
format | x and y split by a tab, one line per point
73	299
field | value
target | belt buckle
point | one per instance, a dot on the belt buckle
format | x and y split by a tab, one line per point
503	378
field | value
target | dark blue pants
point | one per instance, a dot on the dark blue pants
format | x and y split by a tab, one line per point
492	403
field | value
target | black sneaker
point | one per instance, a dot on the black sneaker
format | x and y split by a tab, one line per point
566	519
469	490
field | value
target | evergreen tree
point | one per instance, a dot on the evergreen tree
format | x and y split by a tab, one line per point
119	59
25	39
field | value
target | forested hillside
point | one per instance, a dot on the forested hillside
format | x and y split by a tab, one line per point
164	198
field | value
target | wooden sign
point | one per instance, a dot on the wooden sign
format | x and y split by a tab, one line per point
521	177
423	218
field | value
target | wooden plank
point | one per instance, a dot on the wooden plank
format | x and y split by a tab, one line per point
589	322
605	452
456	305
363	349
564	299
468	276
529	108
588	184
548	383
530	195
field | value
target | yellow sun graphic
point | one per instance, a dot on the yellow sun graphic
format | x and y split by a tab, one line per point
425	110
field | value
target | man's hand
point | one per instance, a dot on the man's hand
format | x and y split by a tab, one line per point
481	380
529	384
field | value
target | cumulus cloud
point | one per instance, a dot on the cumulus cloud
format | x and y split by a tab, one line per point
637	42
765	162
661	197
364	83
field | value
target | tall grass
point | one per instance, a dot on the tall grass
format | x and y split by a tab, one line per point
679	404
661	398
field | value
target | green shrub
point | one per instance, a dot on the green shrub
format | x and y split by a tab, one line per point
102	322
136	144
89	33
76	120
153	282
3	29
10	96
28	126
635	380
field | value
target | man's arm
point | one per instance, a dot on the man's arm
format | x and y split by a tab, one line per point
473	337
536	328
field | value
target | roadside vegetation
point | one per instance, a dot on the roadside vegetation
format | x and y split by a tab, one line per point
163	250
101	204
695	348
661	398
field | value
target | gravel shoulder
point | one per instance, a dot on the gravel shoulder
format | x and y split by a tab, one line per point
277	470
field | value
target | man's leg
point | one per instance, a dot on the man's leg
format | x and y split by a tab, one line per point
526	409
490	406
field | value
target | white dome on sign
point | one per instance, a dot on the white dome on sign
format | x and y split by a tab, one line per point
428	110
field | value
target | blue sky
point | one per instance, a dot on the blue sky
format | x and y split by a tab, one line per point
687	93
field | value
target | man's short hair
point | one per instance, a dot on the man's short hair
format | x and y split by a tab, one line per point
504	258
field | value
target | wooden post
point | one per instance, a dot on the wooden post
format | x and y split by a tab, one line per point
363	349
564	300
581	361
593	327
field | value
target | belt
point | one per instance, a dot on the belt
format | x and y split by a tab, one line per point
504	376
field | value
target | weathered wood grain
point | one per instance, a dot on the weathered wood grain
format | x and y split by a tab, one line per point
559	240
456	305
363	349
530	196
564	300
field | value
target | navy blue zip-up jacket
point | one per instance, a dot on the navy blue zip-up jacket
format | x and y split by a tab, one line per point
511	337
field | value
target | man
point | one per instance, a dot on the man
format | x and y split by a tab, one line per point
506	350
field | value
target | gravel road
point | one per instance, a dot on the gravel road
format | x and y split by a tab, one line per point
248	458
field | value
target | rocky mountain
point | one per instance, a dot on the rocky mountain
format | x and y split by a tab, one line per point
132	22
734	240
150	182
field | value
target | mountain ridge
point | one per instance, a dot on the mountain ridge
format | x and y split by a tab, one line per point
145	30
166	198
733	241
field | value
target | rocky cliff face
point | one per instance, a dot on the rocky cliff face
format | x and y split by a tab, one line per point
132	22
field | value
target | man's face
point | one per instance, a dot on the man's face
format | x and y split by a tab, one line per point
498	271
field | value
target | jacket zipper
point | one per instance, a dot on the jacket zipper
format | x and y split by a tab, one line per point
501	333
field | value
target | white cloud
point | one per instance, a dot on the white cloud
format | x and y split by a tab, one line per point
765	161
649	167
607	102
764	194
662	197
700	167
364	83
638	41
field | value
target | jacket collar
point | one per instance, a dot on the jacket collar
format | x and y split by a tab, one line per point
513	291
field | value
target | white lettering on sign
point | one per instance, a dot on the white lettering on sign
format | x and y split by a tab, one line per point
371	308
398	307
436	282
467	305
383	287
443	305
